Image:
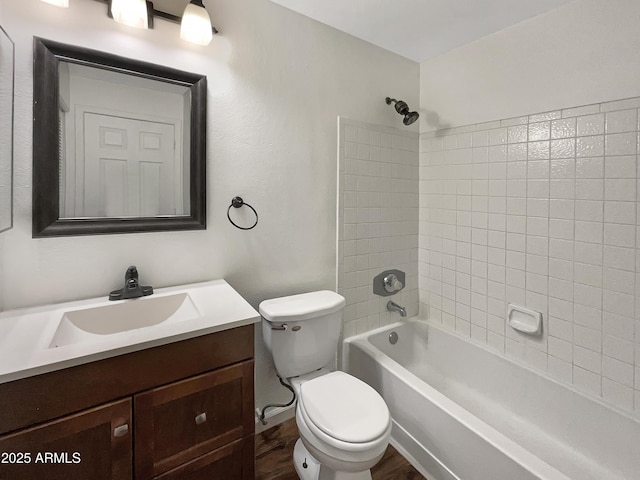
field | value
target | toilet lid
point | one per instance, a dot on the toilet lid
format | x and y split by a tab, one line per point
344	407
304	306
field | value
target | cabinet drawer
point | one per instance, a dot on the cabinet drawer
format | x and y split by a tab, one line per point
231	462
184	420
92	444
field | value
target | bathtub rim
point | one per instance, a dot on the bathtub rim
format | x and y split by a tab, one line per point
362	337
508	447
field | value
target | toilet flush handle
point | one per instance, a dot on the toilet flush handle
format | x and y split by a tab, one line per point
280	327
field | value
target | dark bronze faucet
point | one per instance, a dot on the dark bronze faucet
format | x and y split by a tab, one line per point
132	288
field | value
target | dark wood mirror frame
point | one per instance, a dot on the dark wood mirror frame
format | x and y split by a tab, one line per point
46	148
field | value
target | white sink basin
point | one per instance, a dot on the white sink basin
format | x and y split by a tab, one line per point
93	323
46	338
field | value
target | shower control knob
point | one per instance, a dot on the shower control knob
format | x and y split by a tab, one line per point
392	284
389	282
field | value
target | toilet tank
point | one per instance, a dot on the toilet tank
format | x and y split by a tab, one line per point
302	331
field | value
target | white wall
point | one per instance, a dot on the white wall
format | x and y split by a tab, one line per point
277	82
582	53
539	206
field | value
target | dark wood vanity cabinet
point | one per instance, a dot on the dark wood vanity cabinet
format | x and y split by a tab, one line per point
79	446
182	411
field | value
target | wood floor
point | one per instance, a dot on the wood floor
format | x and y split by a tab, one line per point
274	457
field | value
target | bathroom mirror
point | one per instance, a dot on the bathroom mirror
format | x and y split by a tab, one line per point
6	130
119	146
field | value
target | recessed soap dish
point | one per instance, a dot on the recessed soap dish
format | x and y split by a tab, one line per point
524	320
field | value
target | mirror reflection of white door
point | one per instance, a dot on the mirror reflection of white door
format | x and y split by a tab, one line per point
130	167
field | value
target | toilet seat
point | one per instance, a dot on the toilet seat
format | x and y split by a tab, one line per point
344	412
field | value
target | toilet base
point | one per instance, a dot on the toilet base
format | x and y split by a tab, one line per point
307	467
315	471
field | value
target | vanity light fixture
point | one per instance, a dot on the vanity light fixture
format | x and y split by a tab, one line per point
196	24
133	13
58	3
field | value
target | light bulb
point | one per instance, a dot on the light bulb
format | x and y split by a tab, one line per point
196	24
130	12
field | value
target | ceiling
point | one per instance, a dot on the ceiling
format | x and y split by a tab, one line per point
420	29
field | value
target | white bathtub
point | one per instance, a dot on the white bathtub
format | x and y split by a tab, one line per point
462	412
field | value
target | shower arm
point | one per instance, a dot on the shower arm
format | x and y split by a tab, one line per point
402	108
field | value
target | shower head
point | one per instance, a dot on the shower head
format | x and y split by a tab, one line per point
403	109
410	117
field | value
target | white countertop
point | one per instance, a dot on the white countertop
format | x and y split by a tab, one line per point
26	334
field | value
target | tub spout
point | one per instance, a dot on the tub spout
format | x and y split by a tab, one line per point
394	307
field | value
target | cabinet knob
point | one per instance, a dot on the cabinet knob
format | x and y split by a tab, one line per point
200	419
121	431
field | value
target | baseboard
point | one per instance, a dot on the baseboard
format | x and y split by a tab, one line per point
275	416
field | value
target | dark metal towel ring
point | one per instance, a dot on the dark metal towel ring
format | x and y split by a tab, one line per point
237	202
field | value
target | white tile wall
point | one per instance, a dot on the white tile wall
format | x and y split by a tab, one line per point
540	211
377	220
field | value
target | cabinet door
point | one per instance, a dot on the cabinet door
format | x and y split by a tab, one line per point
180	422
93	444
231	462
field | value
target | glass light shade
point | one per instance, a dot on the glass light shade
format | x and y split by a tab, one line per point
130	12
58	3
196	25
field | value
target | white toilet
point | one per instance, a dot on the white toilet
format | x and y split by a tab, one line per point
344	424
